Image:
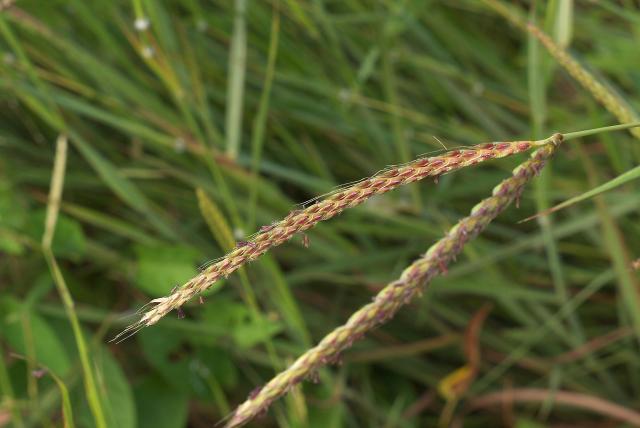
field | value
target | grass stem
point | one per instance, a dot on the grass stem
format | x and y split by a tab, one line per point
53	207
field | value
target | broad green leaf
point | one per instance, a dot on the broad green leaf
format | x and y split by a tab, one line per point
236	317
165	350
162	267
18	326
250	334
69	240
159	405
225	312
221	365
115	391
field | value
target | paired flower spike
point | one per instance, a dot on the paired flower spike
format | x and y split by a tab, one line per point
301	220
399	292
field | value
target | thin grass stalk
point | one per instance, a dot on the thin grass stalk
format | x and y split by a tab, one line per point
398	293
605	96
236	77
260	122
53	208
324	209
560	398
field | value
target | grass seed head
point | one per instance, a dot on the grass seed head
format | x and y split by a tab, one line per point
300	220
398	293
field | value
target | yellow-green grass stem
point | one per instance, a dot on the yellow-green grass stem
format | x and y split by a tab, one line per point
53	208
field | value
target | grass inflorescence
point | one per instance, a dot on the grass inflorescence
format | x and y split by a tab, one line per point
300	220
190	123
400	292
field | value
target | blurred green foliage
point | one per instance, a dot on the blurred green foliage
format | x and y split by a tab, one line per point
354	85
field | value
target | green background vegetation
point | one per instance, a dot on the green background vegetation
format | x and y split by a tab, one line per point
191	134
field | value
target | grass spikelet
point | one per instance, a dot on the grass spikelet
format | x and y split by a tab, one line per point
399	292
303	219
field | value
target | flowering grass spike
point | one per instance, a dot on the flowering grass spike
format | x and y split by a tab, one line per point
303	219
398	293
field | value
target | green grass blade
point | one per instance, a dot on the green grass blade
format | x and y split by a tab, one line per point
580	134
628	176
537	72
53	208
67	410
259	124
563	22
236	77
121	186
